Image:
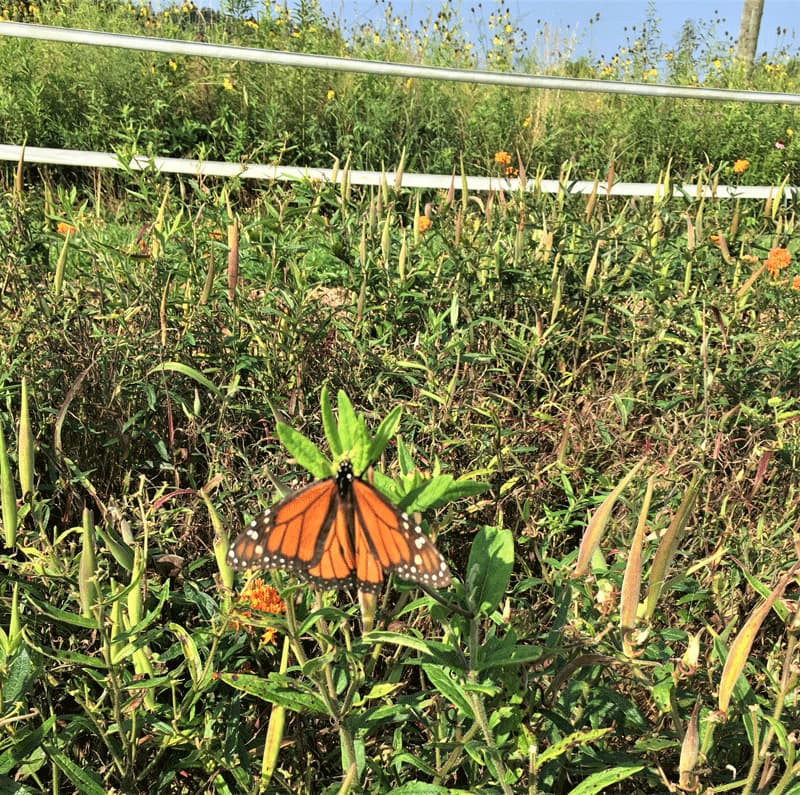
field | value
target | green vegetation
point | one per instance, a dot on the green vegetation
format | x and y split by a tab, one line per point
621	374
104	99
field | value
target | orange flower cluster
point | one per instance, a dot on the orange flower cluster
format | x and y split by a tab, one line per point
264	598
65	229
740	166
502	158
424	223
777	260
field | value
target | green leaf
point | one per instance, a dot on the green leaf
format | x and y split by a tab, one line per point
86	781
440	652
348	423
17	677
8	497
63	616
190	653
122	553
597	782
515	655
330	425
569	742
423	788
442	489
450	688
184	369
386	430
25	743
276	693
491	561
304	451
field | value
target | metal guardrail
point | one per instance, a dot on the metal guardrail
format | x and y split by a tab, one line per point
331	63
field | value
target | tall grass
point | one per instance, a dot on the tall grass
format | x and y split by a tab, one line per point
621	374
98	98
541	344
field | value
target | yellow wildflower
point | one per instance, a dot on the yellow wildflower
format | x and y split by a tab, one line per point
331	94
740	166
172	65
227	84
777	260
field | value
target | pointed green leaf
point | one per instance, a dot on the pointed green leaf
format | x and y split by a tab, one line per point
348	424
491	561
330	425
191	372
450	688
276	692
304	451
8	497
598	782
386	430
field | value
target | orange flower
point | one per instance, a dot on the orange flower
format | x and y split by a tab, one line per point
424	223
740	166
796	283
777	260
65	229
264	598
502	158
511	172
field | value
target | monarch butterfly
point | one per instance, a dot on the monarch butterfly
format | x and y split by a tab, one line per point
337	532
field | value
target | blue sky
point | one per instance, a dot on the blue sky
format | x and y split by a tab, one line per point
572	17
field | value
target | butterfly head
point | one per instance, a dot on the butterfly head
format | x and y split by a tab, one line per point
344	477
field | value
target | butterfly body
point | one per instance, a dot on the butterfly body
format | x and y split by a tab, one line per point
340	531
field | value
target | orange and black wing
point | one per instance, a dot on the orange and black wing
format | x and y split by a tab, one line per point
387	540
339	531
298	534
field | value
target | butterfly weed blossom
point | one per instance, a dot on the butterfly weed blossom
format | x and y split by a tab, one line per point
258	596
776	261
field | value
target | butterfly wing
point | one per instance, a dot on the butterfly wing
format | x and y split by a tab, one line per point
293	533
386	539
333	567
